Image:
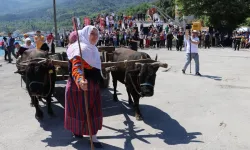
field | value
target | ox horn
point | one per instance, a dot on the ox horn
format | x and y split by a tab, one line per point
156	57
160	64
42	61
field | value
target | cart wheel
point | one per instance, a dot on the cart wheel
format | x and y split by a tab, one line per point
105	82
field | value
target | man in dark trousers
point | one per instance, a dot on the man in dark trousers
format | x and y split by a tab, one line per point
207	40
134	40
180	39
169	40
11	47
237	40
5	48
143	17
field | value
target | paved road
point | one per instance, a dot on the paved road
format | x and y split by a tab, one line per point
187	112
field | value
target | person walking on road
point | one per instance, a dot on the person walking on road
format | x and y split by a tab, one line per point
11	47
5	44
193	52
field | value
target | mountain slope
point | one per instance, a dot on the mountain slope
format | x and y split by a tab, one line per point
19	6
40	13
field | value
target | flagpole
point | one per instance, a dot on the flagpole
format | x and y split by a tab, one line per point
55	23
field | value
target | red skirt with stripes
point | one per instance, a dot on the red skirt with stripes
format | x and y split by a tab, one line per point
75	118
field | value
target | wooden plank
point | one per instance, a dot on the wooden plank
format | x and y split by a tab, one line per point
121	64
108	49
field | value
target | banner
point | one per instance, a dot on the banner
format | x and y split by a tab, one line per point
86	21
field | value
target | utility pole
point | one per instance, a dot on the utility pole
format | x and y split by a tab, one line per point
55	23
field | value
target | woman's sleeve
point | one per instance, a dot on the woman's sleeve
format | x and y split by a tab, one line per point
77	73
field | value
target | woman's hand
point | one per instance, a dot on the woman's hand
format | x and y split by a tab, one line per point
84	85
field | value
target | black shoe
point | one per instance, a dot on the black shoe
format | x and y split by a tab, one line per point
183	71
97	145
198	74
77	136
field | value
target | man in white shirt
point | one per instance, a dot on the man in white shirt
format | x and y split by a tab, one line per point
193	52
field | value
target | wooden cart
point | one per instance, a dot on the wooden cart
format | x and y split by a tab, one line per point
106	54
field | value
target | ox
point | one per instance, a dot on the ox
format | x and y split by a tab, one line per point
40	78
138	79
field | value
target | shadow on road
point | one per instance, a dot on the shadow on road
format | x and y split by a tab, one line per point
170	130
217	78
60	137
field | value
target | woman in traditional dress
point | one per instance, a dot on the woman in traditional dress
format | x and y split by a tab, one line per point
75	113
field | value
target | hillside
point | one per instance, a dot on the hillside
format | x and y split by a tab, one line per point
19	6
39	15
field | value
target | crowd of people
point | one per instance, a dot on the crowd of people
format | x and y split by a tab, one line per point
129	31
241	40
9	44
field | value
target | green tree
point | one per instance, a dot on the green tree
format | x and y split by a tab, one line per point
247	22
167	6
227	14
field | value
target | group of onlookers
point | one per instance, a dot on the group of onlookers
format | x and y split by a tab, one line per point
241	40
16	48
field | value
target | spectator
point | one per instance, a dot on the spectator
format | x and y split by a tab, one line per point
169	40
141	39
20	49
207	40
11	47
180	39
4	47
39	39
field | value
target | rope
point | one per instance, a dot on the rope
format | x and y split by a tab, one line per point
50	88
139	93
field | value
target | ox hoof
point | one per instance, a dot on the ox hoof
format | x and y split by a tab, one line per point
138	117
39	116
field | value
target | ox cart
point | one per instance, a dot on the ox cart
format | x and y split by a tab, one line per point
134	69
60	61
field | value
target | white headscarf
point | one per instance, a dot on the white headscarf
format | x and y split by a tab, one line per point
90	52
